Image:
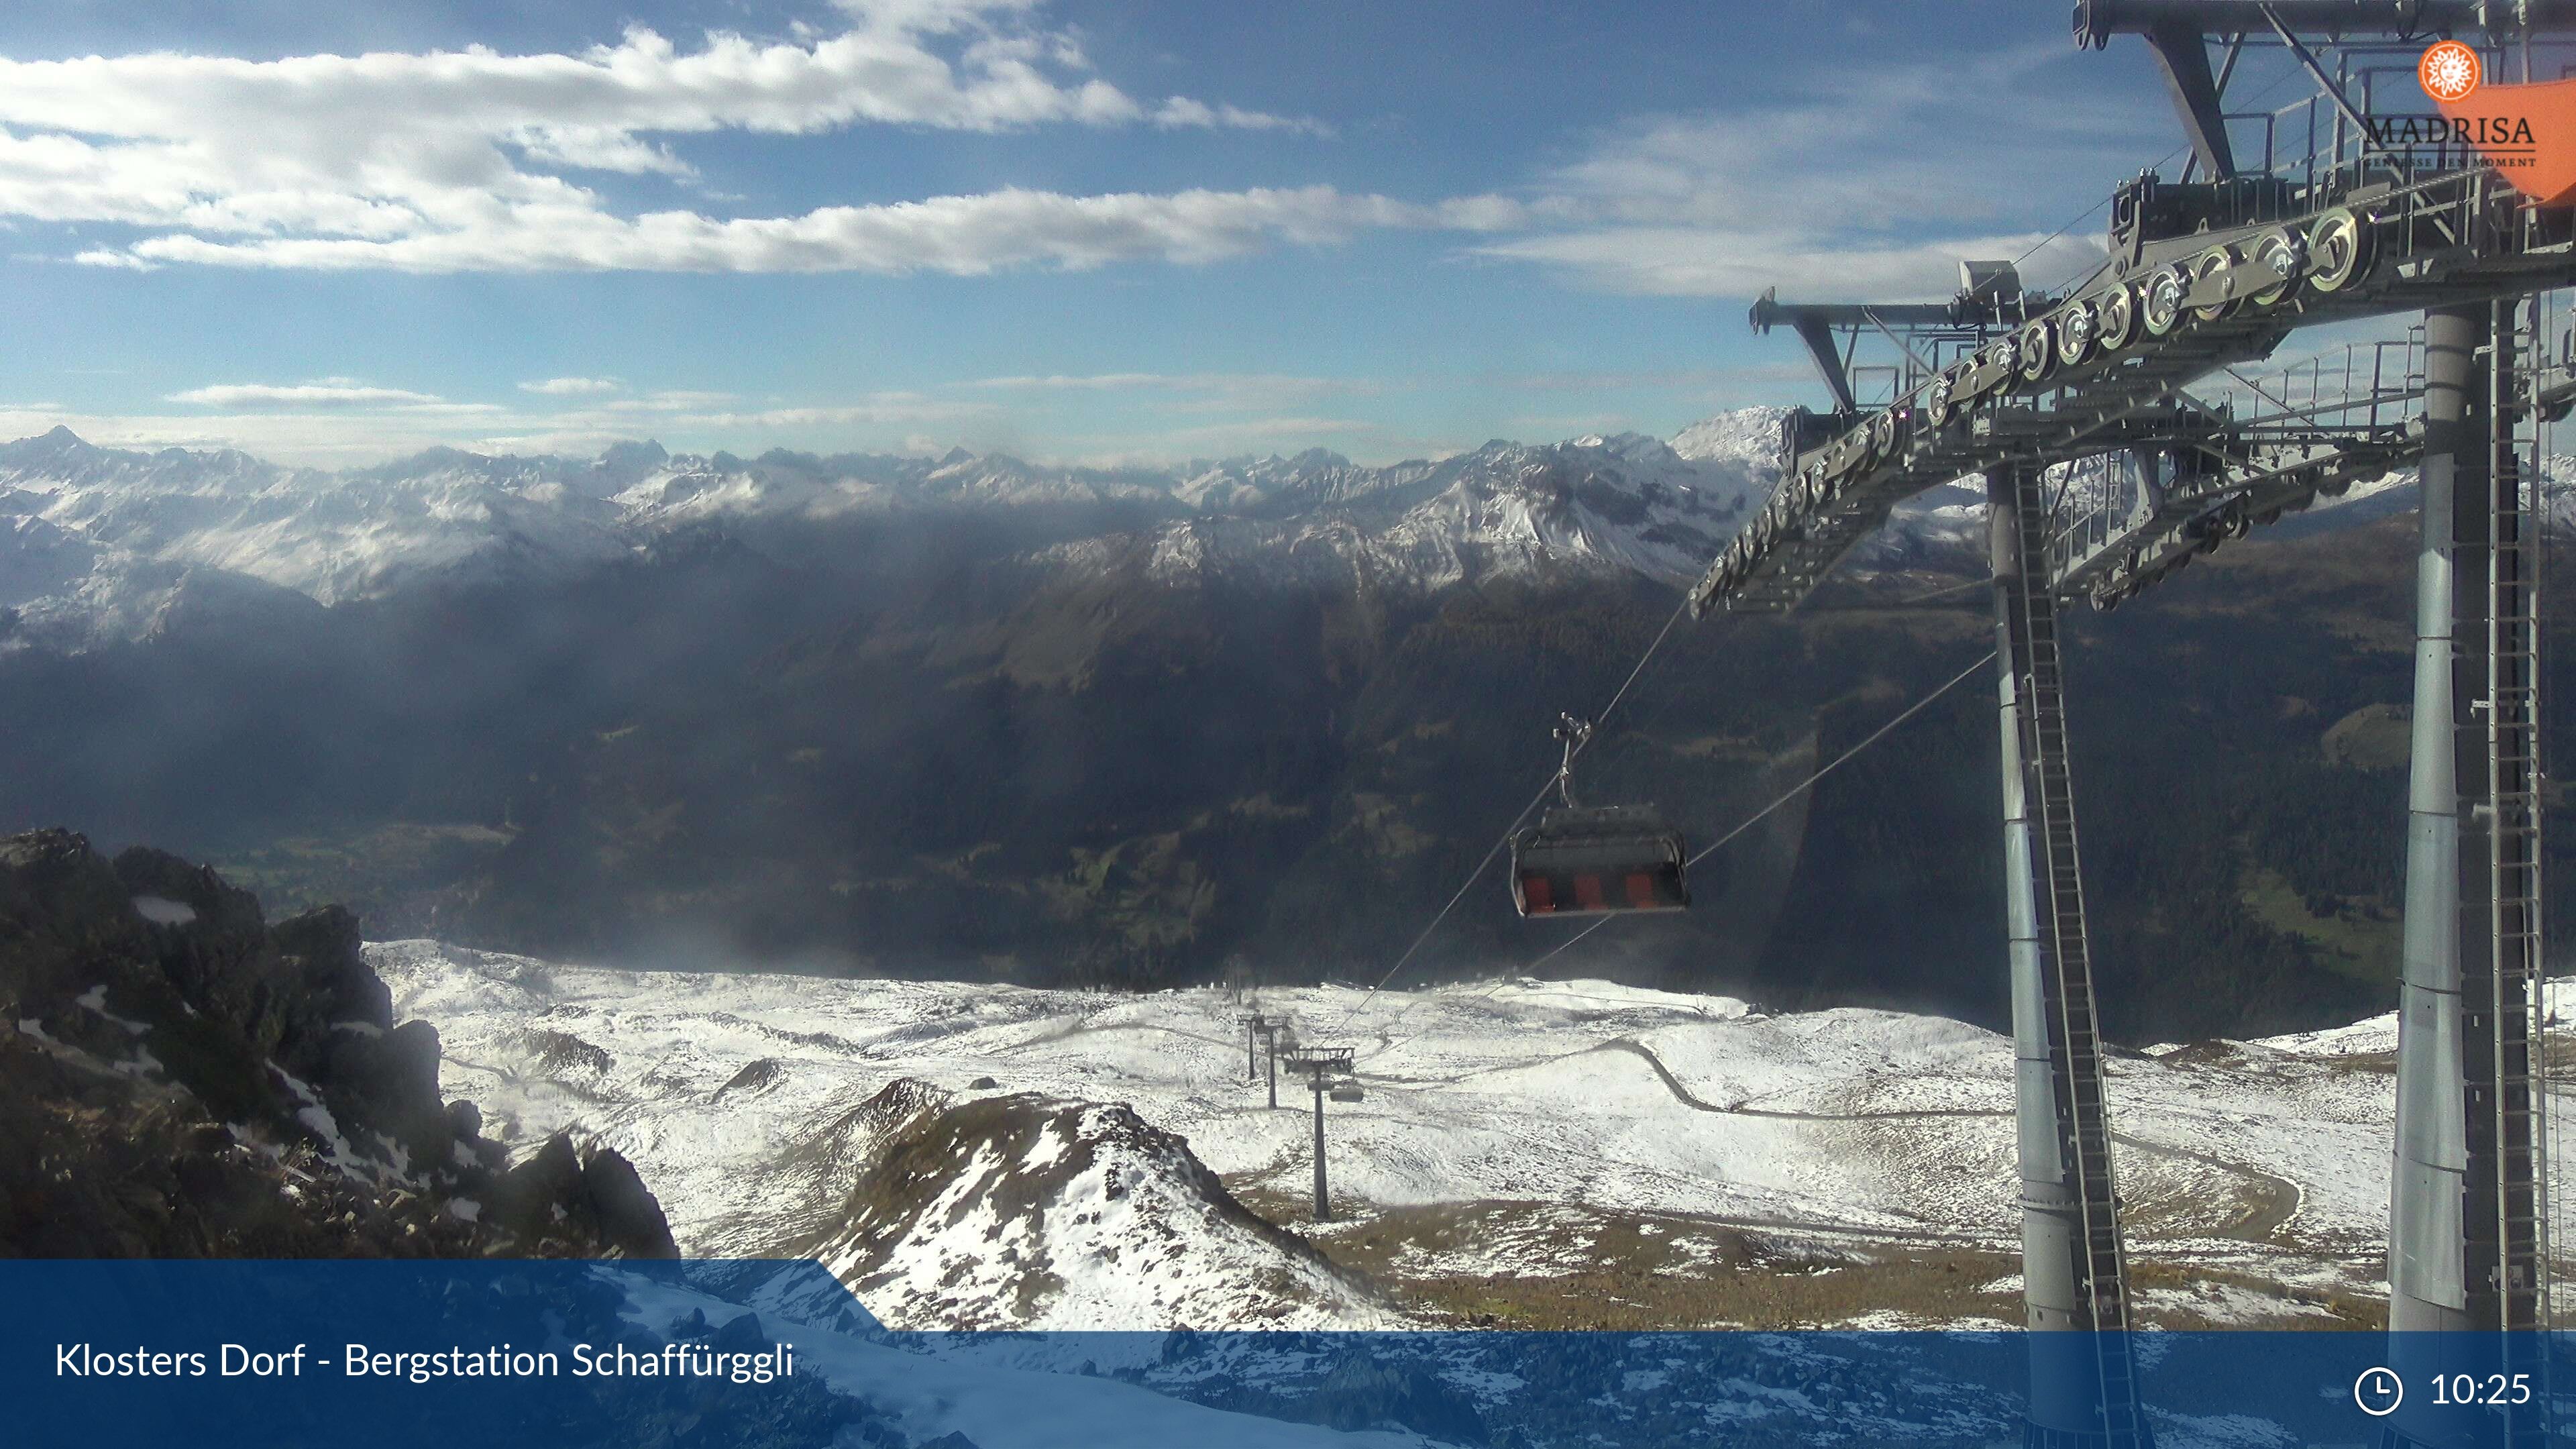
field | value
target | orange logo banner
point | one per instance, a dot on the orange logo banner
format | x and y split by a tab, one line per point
2526	132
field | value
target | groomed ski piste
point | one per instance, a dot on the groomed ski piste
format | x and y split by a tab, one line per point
1563	1154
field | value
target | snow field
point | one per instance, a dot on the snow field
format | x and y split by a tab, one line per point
1891	1127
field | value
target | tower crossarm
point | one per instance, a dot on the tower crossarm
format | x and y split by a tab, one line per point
2105	366
2240	485
1319	1062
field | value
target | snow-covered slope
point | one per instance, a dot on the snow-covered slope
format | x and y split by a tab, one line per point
1026	1211
1569	1105
774	1116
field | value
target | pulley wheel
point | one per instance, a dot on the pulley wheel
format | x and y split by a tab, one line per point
2286	252
2214	263
2075	333
2339	250
2036	353
2160	308
2115	318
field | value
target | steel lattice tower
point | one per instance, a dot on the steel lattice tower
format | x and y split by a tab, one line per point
2083	391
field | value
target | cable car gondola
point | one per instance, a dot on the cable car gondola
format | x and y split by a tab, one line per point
1600	860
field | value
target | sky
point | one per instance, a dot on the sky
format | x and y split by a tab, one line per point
1096	231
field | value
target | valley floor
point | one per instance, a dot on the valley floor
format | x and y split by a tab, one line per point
1528	1154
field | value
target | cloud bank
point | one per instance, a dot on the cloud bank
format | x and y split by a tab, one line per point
471	160
570	386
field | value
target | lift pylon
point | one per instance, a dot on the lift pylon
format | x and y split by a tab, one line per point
2084	1392
1270	1030
1327	1070
2466	1250
2086	387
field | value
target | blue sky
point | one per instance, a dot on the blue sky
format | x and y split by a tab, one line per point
1075	231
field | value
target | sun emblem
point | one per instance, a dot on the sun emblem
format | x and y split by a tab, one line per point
2449	71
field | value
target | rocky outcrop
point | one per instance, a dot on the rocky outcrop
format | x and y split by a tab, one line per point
1034	1212
600	1198
178	1077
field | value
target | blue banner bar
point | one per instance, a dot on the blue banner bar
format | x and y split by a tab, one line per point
442	1354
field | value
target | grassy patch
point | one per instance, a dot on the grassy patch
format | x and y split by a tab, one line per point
2373	737
299	872
2355	938
1539	1266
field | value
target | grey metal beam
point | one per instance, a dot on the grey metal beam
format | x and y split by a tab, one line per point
1829	361
2326	85
2096	21
1769	311
2183	59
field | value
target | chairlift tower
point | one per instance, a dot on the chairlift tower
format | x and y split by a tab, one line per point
1327	1071
1265	1059
2083	391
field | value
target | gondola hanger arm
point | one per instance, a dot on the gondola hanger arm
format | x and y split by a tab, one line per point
1576	734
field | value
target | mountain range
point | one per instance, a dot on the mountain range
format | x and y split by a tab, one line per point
974	717
100	543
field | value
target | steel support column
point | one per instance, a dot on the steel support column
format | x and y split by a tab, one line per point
2463	1240
2083	1381
1323	1203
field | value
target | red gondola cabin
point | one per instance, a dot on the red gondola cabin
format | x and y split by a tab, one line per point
1608	860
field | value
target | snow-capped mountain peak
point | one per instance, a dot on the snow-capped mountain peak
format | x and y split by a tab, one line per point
1747	436
94	537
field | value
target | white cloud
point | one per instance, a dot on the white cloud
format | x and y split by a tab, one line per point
322	437
454	409
957	235
336	392
333	422
670	400
1875	190
1182	113
1088	382
458	160
570	386
1273	429
882	409
1705	262
1245	387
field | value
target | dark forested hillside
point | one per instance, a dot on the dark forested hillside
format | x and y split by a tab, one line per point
932	755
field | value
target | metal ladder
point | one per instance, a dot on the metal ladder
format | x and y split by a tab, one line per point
2076	1060
2509	1269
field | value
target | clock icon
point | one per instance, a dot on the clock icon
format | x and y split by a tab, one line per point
2378	1391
